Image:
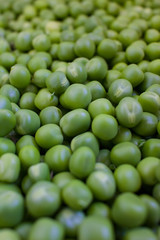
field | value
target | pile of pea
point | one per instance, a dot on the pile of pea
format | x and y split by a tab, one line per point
79	120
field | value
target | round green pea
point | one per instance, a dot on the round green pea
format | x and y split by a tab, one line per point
66	51
50	114
99	209
149	101
41	43
10	92
6	146
45	99
97	90
62	179
107	48
9	234
24	141
84	47
133	74
40	76
76	73
39	172
151	148
143	233
29	155
7	122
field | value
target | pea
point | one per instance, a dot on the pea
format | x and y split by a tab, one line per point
95	227
85	139
9	234
153	51
107	48
125	153
147	170
11	208
51	132
50	114
59	66
154	66
19	76
154	22
7	122
46	228
41	42
152	35
77	195
133	74
103	157
39	172
134	54
57	82
97	90
7	60
129	210
6	146
96	68
82	162
27	121
123	135
111	76
76	73
128	36
45	99
66	51
120	57
61	11
143	65
29	155
156	192
24	41
10	92
104	126
71	220
43	199
23	59
151	148
26	184
153	215
97	182
57	158
27	101
143	233
76	96
5	103
84	47
62	179
100	106
147	126
45	56
154	88
149	80
99	209
40	76
127	178
120	66
81	60
119	89
4	45
36	63
75	122
23	230
24	141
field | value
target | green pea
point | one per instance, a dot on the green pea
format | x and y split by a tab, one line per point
54	51
111	76
57	82
66	51
129	210
149	80
120	57
153	51
103	157
96	69
156	192
149	101
81	60
71	220
143	233
85	139
57	158
40	76
147	126
147	170
46	228
67	36
4	45
11	208
36	63
24	141
75	122
41	42
62	179
7	122
39	172
120	66
127	178
77	195
61	11
119	89
82	162
134	54
76	73
23	59
129	112
151	148
5	102
154	22
19	76
27	121
105	126
77	95
50	114
84	47
123	135
26	184
23	230
59	66
97	182
43	199
154	66
133	74
45	99
95	227
99	209
29	155
45	56
107	49
143	65
23	41
7	60
152	35
10	92
48	136
128	36
6	146
100	106
125	153
154	88
9	234
97	90
153	215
